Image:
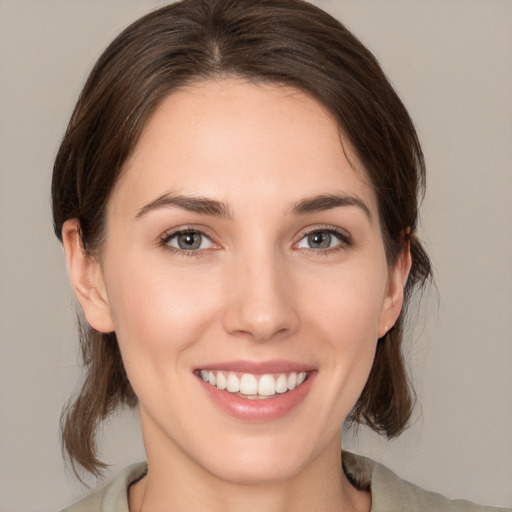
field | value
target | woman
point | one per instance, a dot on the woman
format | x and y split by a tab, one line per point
237	197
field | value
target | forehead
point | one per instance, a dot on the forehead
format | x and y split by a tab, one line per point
235	140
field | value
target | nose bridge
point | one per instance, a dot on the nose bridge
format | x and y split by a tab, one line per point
262	305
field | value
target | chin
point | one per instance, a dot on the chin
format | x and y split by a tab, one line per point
248	471
259	461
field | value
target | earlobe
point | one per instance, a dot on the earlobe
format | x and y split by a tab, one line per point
87	279
394	298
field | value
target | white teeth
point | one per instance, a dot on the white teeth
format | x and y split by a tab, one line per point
221	381
233	383
282	384
292	381
250	385
267	386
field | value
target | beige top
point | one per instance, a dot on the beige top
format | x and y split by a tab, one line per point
389	492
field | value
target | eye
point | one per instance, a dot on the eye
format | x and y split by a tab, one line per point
189	240
323	239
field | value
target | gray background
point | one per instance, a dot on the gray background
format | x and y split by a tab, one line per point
451	62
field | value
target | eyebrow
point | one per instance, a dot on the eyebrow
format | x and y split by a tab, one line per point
206	206
201	205
328	202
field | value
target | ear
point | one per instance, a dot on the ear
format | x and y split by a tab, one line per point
394	297
86	278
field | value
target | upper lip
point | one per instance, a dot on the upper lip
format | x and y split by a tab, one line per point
258	367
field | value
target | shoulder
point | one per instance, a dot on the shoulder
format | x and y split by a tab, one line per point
114	496
392	493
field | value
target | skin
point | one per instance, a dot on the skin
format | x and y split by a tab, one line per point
256	290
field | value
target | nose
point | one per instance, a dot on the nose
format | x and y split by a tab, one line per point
261	306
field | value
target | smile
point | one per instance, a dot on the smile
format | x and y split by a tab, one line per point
251	386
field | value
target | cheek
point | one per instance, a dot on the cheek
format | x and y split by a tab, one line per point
157	314
348	302
343	316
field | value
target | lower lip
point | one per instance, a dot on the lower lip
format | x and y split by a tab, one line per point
258	410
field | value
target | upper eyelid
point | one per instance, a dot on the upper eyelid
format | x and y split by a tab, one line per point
165	238
333	229
203	230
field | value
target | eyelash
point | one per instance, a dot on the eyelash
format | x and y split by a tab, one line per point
169	235
345	241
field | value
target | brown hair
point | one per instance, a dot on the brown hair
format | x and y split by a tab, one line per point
289	42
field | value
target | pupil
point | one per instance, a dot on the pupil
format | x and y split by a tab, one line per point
319	240
189	241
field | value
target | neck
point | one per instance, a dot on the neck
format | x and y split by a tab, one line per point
175	482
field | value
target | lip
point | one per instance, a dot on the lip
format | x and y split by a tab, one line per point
264	410
258	367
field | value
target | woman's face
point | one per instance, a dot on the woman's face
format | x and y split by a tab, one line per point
242	247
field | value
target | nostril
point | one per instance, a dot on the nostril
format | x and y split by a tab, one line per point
261	306
260	327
